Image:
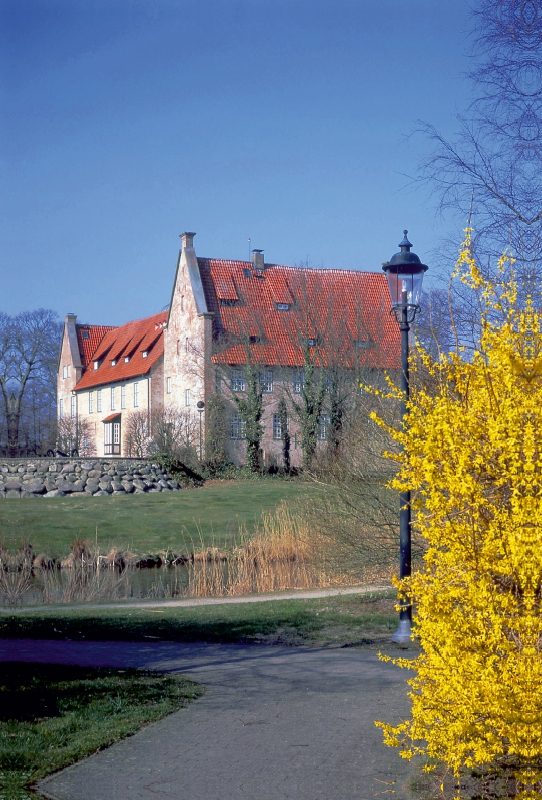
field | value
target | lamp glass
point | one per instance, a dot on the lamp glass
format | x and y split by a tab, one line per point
409	282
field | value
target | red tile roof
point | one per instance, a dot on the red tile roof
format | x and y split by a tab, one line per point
129	341
346	312
88	344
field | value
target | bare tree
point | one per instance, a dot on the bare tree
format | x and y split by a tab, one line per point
491	173
137	434
29	350
76	434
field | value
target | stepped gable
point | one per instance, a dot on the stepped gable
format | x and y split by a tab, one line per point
278	308
125	346
89	338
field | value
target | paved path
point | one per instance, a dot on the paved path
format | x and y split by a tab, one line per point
302	594
276	723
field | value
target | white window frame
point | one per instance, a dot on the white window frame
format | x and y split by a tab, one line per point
64	373
238	383
322	431
69	371
187	397
136	394
168	385
99	401
299	381
238	426
113	399
91	402
123	396
61	408
266	381
73	407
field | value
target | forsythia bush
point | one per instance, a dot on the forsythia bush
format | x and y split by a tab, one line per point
472	456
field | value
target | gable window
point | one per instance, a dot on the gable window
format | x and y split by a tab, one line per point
299	381
113	393
136	394
238	427
91	402
99	400
323	427
238	380
277	427
168	385
187	397
72	409
123	396
266	381
61	409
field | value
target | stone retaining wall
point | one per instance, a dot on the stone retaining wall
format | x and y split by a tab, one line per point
63	477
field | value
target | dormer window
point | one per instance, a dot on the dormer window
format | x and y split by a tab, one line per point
228	302
145	353
255	339
85	334
126	359
96	364
283	306
246	272
309	342
113	363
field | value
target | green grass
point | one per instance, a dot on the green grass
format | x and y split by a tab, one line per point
147	523
336	621
54	715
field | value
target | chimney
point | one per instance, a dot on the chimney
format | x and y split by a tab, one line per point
257	260
71	317
187	240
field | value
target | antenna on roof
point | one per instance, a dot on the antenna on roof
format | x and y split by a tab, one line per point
165	308
249	241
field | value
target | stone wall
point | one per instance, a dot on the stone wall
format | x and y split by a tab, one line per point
63	477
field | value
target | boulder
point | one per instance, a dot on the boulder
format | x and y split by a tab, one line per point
13	494
55	493
13	484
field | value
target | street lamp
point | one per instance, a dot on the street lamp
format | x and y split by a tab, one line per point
405	275
200	405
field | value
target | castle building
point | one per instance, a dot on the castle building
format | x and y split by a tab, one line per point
226	320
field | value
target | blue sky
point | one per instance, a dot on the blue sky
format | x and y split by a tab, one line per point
126	122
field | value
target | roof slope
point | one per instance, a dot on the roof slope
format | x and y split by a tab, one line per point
281	309
125	346
89	338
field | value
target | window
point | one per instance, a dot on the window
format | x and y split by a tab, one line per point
72	409
266	381
168	385
145	353
136	395
85	335
255	339
328	385
228	302
68	370
126	359
64	372
123	396
246	272
61	409
323	427
186	345
114	363
99	400
85	442
299	381
237	427
362	345
283	306
309	342
91	402
237	380
277	427
96	364
111	438
187	397
113	393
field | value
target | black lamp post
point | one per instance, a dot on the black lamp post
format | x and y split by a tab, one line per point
200	405
405	275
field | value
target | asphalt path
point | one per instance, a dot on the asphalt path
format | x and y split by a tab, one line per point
276	723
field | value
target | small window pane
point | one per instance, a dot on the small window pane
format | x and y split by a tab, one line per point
99	400
123	396
266	381
323	427
237	427
237	380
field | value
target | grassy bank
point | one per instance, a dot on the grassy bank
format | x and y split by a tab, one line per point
337	621
54	715
147	522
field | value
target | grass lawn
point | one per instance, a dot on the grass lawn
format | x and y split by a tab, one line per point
52	715
337	621
147	523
